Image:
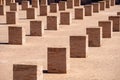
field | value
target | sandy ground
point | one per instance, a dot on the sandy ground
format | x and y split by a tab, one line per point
102	63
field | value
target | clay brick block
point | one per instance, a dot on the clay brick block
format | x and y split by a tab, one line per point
116	22
25	5
27	72
14	6
118	13
43	2
94	36
77	2
102	5
35	3
57	60
78	46
69	4
2	10
112	2
62	6
106	28
96	7
53	7
31	13
16	35
108	3
36	28
52	23
65	18
11	17
79	13
43	10
88	10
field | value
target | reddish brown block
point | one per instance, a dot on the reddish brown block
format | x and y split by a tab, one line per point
77	2
79	13
112	2
118	13
8	2
43	10
96	7
57	60
31	13
36	28
94	36
78	46
27	72
14	6
11	17
108	3
69	4
35	3
106	28
88	10
25	5
62	6
65	18
2	10
116	22
16	35
102	5
52	23
44	2
53	7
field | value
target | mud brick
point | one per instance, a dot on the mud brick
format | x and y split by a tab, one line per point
35	3
77	2
88	10
53	7
14	6
65	18
112	2
43	10
25	5
96	7
79	13
31	13
57	60
43	2
16	35
102	5
11	17
52	23
108	3
27	72
2	9
70	4
36	28
94	36
106	28
118	13
116	22
78	46
62	5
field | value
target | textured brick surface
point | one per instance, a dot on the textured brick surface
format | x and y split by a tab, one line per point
8	2
77	2
57	60
78	46
35	3
108	3
96	7
43	2
65	18
25	5
79	13
36	28
116	22
102	5
53	7
13	6
106	28
31	13
70	4
94	36
52	23
118	13
88	10
16	35
62	5
112	2
27	72
2	10
43	10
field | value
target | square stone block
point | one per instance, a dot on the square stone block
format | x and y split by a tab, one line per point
36	28
118	13
11	17
70	4
43	10
14	7
43	2
2	9
116	22
108	3
31	13
52	23
77	3
62	5
94	36
8	2
112	2
16	35
57	60
65	18
27	72
25	5
35	3
79	13
96	7
78	46
106	28
88	10
53	7
102	5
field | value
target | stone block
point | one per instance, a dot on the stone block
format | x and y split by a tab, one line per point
88	10
102	5
77	3
43	10
43	2
31	13
25	5
79	13
2	9
118	13
70	4
14	7
96	7
108	3
35	3
112	2
62	5
53	7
